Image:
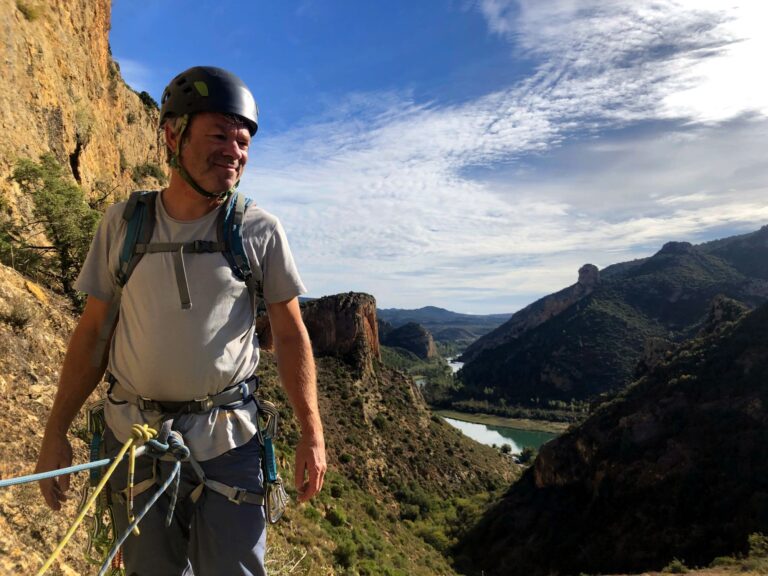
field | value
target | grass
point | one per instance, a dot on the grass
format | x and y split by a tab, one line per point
516	423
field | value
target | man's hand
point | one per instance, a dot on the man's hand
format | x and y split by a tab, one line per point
310	466
55	453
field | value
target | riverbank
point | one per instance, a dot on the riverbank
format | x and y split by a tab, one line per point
516	423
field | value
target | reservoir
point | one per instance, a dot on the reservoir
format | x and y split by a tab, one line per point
499	435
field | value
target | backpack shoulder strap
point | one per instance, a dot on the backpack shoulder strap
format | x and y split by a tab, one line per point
230	232
139	213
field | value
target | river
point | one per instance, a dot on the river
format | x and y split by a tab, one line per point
500	435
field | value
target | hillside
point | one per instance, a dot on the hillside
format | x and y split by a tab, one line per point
444	325
674	467
399	479
593	345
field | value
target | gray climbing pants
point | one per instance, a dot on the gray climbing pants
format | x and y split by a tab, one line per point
210	537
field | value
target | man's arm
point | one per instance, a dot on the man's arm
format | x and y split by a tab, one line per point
78	378
297	373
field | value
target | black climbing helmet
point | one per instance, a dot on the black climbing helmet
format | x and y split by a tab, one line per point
209	89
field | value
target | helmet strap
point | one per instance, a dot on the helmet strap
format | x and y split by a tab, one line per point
186	176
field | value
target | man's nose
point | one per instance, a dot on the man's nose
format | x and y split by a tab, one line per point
233	150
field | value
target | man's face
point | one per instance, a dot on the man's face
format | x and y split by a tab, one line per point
215	150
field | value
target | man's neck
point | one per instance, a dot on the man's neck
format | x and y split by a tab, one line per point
181	202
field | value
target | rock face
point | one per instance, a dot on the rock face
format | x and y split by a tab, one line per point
68	99
343	325
674	467
537	313
412	337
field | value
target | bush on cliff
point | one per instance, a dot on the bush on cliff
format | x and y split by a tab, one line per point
62	215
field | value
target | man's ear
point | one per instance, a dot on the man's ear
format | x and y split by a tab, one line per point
171	139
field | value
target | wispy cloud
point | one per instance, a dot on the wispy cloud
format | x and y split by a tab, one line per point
623	137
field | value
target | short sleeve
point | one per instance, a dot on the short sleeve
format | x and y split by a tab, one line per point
280	275
96	276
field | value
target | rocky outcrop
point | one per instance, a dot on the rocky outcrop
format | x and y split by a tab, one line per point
412	337
672	468
64	95
343	325
537	313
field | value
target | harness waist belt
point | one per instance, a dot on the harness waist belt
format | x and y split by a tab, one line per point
236	394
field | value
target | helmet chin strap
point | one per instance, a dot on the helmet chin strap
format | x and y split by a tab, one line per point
186	176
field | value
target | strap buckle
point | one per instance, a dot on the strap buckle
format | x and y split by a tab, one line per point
205	403
203	246
239	495
146	404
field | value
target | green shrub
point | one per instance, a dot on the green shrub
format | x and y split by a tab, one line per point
30	11
758	545
148	169
336	517
345	554
676	567
66	218
19	313
148	101
337	491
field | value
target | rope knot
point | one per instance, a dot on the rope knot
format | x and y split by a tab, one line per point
142	432
177	447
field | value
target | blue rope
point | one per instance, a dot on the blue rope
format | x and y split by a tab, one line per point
53	473
69	470
113	552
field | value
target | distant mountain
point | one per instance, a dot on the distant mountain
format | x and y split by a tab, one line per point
674	467
444	325
579	343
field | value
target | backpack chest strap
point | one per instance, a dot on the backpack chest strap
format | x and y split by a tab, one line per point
178	249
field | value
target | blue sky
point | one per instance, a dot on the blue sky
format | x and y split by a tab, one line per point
474	154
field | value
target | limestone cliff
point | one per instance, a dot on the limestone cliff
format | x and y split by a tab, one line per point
343	325
537	313
64	95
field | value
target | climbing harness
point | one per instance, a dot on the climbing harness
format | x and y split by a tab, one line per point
139	215
233	397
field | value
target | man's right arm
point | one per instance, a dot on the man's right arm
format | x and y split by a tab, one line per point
79	377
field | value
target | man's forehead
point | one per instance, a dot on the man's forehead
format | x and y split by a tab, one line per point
223	121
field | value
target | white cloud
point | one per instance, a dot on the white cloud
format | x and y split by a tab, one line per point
504	197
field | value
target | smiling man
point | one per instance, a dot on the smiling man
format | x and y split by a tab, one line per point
184	346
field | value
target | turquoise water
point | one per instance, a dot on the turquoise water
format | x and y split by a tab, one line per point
500	435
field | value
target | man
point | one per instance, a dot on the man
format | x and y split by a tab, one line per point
164	356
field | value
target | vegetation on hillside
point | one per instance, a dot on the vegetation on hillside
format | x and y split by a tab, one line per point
671	468
393	502
55	245
593	347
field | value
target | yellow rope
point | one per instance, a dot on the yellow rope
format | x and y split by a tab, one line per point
129	499
138	433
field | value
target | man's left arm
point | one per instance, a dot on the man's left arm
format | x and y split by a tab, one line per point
296	367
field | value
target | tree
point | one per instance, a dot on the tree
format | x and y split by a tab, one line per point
67	220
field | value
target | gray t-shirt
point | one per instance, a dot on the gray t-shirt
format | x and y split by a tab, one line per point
162	352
